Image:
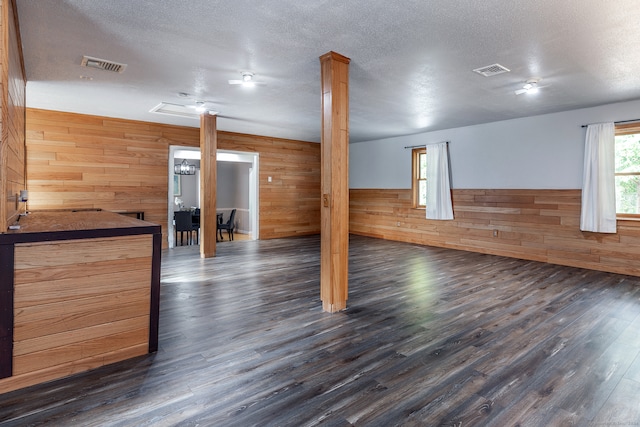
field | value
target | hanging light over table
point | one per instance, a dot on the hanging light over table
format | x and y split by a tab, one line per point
184	168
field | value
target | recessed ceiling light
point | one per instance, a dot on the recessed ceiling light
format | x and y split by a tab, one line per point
86	77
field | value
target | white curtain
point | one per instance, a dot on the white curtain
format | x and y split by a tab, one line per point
439	204
598	212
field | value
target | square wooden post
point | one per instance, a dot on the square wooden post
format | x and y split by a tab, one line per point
334	253
208	182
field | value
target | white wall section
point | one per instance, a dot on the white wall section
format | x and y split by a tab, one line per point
539	152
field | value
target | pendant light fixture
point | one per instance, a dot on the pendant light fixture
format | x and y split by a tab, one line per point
184	168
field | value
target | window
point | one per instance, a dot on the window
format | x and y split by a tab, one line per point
419	170
627	170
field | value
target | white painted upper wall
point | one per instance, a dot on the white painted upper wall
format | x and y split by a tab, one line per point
539	152
233	185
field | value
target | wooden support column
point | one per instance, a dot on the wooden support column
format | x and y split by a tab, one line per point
208	181
334	253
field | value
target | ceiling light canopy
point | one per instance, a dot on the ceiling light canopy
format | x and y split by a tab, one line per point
247	80
200	107
530	87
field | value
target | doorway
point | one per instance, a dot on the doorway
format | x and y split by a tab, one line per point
247	172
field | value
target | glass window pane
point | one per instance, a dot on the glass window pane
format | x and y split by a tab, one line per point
423	166
628	194
422	193
628	153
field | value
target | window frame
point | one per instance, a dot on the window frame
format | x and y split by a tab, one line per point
415	176
620	130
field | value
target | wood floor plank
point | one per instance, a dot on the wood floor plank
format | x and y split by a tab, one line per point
431	337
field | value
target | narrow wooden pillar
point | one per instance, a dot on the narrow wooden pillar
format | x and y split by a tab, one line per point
208	182
334	253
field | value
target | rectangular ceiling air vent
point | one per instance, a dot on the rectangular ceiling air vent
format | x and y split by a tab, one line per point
492	70
102	64
176	110
179	110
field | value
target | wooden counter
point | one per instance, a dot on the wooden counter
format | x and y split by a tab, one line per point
78	290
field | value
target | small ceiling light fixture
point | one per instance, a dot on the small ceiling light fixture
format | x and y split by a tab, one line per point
530	87
200	107
184	168
247	80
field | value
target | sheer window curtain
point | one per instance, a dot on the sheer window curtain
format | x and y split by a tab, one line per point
598	213
439	205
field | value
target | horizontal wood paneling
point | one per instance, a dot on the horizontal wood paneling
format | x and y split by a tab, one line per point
78	304
539	225
81	161
290	203
76	161
12	115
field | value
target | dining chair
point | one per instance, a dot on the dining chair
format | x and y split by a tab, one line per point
182	224
218	222
195	223
229	225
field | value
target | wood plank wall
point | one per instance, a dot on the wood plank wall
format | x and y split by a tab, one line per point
68	320
539	225
79	161
12	115
290	203
82	161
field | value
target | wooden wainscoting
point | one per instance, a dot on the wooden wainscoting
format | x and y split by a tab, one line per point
538	225
78	305
80	161
12	145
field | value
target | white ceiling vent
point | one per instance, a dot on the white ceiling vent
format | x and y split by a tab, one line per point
178	110
491	70
175	110
102	64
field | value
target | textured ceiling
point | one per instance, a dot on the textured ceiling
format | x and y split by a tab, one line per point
411	61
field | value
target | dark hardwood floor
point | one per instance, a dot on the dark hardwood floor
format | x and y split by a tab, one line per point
431	337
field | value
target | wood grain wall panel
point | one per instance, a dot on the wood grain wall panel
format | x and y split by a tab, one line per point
70	368
77	161
77	313
81	310
538	225
12	115
290	203
54	357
